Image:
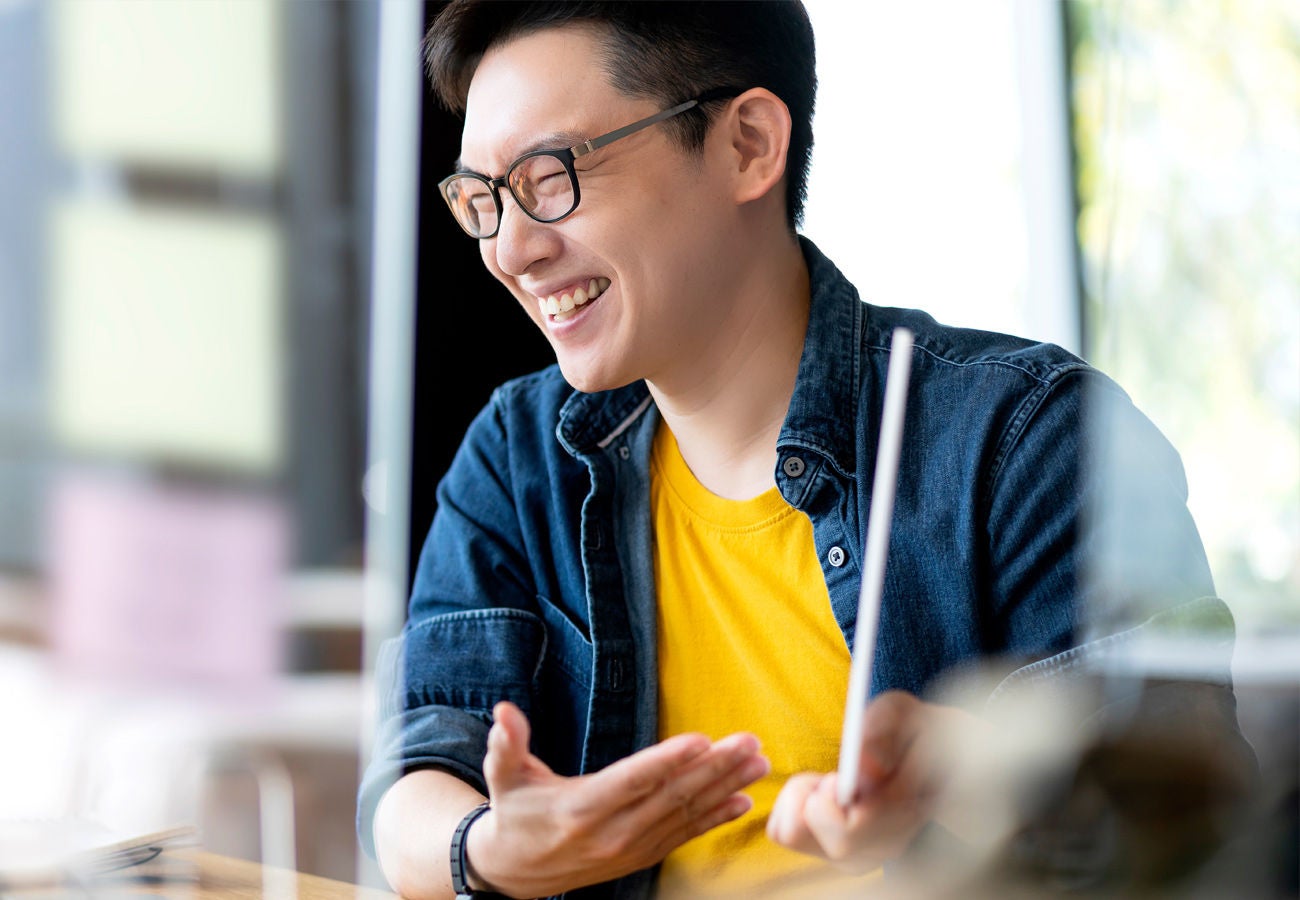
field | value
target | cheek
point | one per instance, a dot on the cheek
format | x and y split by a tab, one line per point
697	209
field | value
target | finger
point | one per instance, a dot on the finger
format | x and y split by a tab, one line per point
888	730
877	826
728	766
644	772
513	721
689	801
507	757
914	781
904	770
785	824
721	758
827	821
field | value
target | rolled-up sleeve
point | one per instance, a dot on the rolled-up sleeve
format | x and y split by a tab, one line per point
436	685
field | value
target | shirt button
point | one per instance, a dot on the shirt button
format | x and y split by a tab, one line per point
624	452
836	556
793	466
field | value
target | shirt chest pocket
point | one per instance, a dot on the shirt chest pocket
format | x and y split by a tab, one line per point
568	649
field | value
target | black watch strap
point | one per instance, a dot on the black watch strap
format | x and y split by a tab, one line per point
459	882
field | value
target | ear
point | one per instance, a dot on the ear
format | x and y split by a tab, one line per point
758	128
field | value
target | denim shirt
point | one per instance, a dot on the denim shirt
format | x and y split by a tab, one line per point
535	583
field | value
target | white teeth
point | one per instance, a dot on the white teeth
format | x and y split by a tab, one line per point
562	307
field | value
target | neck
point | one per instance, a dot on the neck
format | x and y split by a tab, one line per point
726	405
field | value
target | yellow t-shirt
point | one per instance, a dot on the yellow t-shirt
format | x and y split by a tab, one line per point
747	642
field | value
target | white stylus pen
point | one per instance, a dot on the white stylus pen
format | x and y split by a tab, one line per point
873	562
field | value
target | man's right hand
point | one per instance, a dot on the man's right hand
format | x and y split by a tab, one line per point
548	833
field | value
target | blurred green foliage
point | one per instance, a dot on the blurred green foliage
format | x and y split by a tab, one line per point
1186	135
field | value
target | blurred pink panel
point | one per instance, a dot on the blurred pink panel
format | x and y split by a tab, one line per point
172	586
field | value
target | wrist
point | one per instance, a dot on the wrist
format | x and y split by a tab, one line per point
465	880
474	877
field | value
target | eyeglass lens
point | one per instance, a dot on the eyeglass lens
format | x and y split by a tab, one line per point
540	184
472	201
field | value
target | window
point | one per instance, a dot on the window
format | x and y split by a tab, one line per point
1187	139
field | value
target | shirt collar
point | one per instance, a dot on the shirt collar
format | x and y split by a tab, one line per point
823	415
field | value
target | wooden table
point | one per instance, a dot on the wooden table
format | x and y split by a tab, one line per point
194	874
224	876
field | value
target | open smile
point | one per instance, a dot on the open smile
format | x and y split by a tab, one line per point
565	304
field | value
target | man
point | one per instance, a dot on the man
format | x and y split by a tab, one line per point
631	623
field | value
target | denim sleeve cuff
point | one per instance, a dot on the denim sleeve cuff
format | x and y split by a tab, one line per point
431	737
436	686
1207	622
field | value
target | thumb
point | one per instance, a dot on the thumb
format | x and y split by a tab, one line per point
888	731
880	756
508	761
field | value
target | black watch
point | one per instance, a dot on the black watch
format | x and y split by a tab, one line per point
459	882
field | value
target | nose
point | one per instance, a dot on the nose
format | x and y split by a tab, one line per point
521	241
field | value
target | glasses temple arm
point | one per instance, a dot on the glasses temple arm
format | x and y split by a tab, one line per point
596	143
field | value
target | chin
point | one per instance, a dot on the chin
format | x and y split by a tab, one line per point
584	385
587	381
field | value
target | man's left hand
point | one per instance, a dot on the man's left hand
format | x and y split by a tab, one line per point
898	779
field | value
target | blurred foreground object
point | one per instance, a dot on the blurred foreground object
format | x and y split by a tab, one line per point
78	856
1119	781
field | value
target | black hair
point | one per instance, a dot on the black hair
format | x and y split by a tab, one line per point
665	50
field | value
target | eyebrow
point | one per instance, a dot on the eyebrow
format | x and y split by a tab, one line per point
556	140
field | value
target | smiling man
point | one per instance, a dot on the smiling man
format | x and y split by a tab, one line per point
626	657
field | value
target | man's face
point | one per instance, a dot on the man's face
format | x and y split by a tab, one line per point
646	230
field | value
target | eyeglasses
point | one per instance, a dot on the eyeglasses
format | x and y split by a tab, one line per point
543	182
